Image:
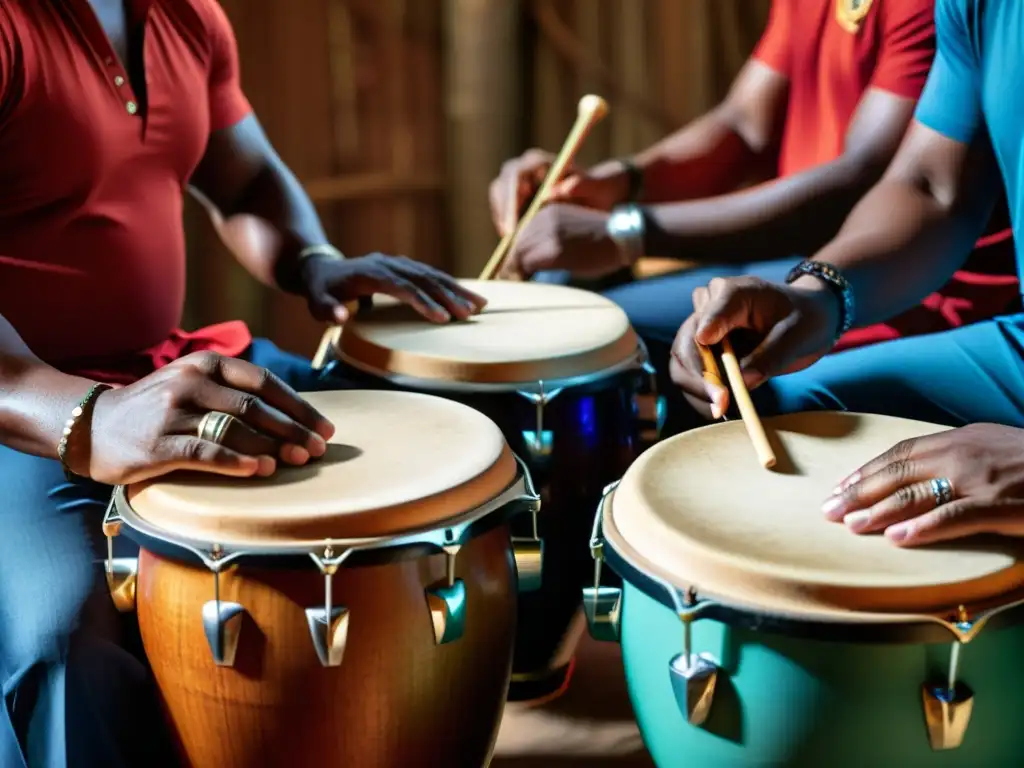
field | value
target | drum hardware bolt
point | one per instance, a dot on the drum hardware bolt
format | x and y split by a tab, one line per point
447	602
328	626
122	573
222	620
529	557
948	704
601	605
540	443
693	676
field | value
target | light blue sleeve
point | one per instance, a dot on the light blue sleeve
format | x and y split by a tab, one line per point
951	102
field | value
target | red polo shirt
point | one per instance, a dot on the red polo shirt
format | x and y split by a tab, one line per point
831	55
92	247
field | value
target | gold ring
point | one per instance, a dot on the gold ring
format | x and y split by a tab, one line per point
214	426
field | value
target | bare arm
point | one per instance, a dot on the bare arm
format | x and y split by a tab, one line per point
257	205
35	399
908	236
722	149
796	214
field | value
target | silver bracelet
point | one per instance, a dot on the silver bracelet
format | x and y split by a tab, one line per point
326	250
626	228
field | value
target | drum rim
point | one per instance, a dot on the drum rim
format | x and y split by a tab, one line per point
903	628
638	361
517	497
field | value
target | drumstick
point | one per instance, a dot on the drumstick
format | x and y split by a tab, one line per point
712	375
746	406
589	113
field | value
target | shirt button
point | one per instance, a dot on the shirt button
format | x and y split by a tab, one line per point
132	107
118	81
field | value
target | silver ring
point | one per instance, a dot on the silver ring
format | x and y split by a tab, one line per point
214	426
942	490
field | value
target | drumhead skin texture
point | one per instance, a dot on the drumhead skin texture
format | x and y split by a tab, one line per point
528	332
399	462
699	511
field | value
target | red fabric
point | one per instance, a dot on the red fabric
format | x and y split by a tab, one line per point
92	248
829	69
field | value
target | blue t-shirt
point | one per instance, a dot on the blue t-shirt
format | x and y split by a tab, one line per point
975	85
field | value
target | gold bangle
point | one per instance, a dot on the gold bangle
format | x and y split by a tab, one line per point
325	249
69	426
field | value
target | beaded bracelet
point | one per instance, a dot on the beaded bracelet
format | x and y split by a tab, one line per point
69	426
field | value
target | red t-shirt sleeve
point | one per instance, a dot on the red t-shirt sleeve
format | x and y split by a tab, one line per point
228	104
908	47
774	47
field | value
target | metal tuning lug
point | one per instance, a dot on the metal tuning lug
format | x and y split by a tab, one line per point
649	408
447	603
222	622
693	683
601	605
529	555
693	677
948	703
122	573
328	625
539	442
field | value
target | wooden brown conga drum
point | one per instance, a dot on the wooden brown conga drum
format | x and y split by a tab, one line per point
359	611
563	374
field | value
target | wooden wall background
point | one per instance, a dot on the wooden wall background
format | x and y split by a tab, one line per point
396	114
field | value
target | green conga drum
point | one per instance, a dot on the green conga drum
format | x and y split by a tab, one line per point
757	633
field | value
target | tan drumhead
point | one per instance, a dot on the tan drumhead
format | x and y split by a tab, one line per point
398	462
699	511
528	332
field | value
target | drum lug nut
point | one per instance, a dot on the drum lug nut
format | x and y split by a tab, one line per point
122	572
122	578
329	636
447	611
447	600
693	683
947	714
602	606
222	625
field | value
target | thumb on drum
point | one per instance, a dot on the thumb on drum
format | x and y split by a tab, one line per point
328	309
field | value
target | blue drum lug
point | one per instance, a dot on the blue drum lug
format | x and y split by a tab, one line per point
447	602
693	684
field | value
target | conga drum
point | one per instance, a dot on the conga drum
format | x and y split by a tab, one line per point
757	633
562	373
358	611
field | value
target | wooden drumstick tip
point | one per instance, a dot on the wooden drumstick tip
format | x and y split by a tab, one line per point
745	405
592	106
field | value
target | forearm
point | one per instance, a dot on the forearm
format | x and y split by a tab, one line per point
35	399
898	245
707	157
794	215
269	224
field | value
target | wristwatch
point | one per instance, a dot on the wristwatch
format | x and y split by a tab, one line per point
836	282
626	228
635	180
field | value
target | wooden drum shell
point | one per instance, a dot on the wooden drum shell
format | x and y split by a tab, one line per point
397	699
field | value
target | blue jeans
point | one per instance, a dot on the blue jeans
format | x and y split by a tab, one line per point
73	693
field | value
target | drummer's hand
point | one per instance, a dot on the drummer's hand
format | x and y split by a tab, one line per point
784	328
564	237
437	296
150	428
521	177
985	469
